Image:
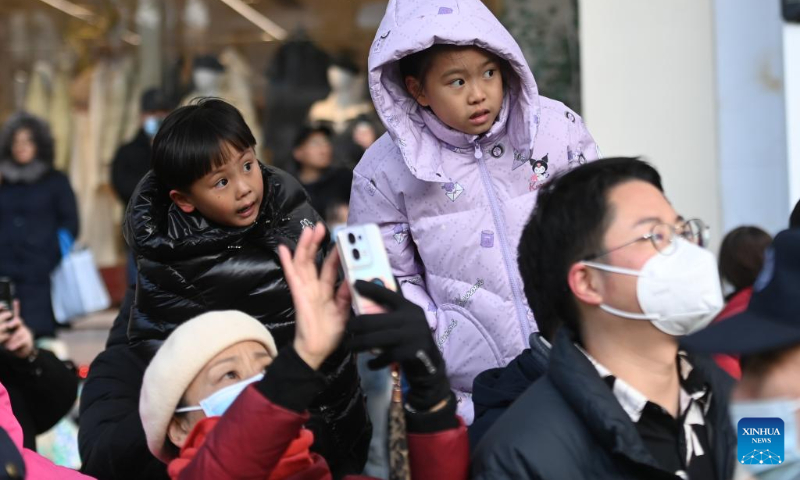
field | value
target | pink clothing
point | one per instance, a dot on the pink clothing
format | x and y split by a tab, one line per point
451	206
36	466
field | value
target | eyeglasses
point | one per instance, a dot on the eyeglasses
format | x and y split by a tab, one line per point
662	236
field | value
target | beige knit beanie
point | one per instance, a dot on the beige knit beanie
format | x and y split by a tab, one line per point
178	361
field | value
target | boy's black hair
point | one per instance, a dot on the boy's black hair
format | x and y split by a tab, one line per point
195	139
568	225
741	256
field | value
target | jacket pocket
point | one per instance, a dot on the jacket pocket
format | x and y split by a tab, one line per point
465	344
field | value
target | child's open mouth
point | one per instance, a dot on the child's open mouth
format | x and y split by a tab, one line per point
479	117
247	210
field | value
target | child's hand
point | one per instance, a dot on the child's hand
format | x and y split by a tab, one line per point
321	315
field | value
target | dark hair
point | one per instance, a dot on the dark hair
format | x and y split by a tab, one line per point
209	62
568	225
794	220
741	256
344	61
305	132
153	100
759	364
194	140
40	131
418	64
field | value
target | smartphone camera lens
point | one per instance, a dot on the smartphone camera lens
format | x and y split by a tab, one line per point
356	254
352	238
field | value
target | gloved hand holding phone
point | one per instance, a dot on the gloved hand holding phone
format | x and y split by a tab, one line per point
401	334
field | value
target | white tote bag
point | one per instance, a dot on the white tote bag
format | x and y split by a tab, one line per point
76	286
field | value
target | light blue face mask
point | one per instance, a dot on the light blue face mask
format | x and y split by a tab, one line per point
785	409
151	126
218	402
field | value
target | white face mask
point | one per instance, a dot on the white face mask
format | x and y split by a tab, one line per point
206	80
786	410
218	402
679	293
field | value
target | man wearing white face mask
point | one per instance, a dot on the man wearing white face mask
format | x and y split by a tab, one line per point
132	160
615	276
767	336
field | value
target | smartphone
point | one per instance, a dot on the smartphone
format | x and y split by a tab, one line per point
6	294
363	257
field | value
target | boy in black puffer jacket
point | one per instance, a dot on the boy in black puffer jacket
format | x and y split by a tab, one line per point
204	226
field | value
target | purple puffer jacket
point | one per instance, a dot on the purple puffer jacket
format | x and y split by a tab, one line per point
451	206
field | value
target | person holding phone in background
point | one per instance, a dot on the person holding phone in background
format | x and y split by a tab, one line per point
41	388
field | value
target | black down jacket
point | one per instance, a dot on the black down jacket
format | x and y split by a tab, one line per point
188	266
568	425
494	390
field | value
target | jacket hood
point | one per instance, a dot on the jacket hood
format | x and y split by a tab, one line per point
410	26
157	229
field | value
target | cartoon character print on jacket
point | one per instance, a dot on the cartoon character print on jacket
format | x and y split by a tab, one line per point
453	190
540	174
575	159
400	233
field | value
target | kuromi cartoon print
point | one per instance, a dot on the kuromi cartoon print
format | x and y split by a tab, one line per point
540	174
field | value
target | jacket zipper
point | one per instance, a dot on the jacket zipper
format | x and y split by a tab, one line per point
500	225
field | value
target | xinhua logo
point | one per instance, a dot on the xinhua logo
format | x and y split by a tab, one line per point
760	441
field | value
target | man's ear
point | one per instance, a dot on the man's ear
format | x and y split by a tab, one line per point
416	91
585	284
182	200
178	430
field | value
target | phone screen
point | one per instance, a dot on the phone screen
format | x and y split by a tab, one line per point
6	293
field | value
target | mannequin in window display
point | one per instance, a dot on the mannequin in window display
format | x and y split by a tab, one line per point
346	101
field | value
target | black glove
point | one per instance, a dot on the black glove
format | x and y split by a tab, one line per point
402	335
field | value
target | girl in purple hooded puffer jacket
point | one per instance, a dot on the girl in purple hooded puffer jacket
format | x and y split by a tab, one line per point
452	183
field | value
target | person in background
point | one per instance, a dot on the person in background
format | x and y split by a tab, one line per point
132	160
41	388
361	133
615	276
36	201
325	183
767	338
794	219
226	404
741	257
